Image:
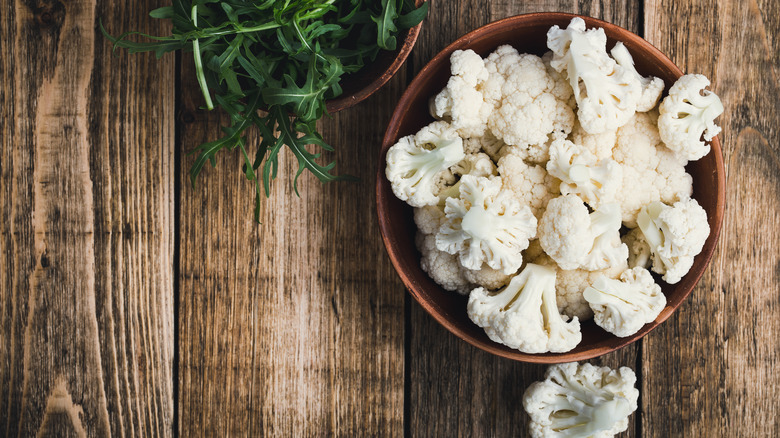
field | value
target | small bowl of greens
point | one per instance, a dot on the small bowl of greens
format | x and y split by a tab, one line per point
282	65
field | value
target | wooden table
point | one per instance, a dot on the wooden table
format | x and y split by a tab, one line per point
134	305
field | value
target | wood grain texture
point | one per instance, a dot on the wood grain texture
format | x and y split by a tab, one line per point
455	389
86	237
293	327
714	361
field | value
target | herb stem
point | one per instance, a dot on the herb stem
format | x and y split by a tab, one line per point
199	63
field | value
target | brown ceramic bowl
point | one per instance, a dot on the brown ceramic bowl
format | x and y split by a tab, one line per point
527	33
365	82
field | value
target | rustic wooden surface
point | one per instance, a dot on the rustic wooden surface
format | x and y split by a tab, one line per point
134	305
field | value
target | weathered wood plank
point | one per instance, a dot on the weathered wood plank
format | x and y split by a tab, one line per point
293	327
711	368
86	237
456	389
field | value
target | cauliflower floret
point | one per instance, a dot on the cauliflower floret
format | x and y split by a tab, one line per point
624	306
446	271
608	250
524	315
529	112
606	93
488	144
522	120
580	173
581	401
532	185
461	101
675	234
478	164
487	277
429	218
652	87
576	239
600	145
561	90
416	164
651	172
638	249
564	231
443	268
687	114
486	224
569	286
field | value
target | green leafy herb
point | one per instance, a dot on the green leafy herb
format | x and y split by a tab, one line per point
272	64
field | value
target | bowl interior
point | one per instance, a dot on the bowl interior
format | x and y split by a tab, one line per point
527	33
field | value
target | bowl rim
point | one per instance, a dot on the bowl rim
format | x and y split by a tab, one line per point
392	134
345	101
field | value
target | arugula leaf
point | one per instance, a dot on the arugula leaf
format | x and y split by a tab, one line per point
386	28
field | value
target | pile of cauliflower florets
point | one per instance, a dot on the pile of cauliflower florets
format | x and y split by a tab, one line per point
549	186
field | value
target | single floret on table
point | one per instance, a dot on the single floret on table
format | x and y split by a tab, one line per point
417	165
596	182
524	315
622	307
687	115
581	400
486	225
606	93
651	172
675	234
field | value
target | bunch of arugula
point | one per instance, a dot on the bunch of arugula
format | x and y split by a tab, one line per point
282	57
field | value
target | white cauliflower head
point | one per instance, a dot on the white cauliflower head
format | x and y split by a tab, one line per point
600	145
417	164
528	112
446	270
687	115
531	184
651	172
576	239
524	315
581	401
595	182
624	306
676	234
652	87
461	101
569	286
564	231
443	268
606	93
607	250
486	225
429	218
